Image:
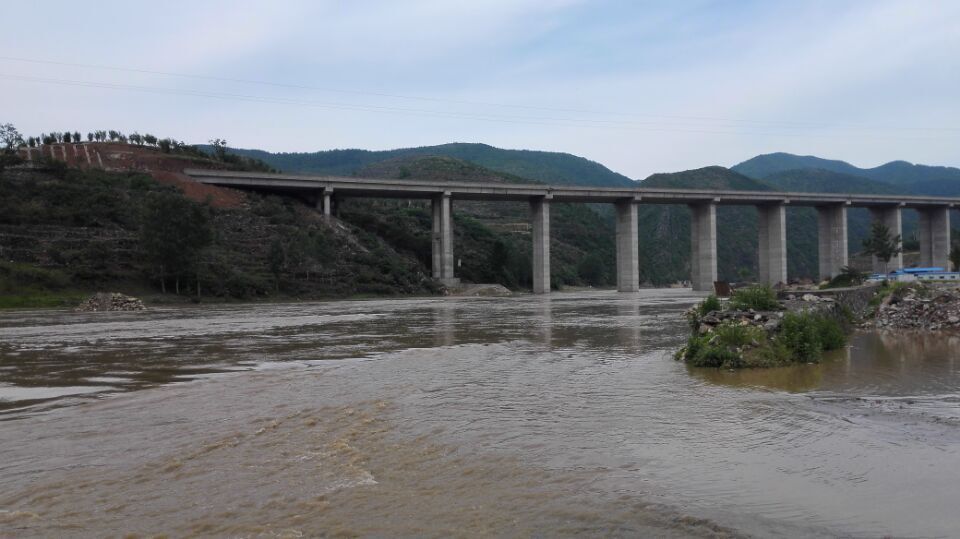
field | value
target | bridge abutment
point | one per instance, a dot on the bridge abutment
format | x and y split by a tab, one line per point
772	248
628	247
540	215
891	217
934	232
703	243
832	239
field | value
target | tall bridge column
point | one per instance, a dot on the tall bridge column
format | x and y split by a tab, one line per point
703	242
443	239
889	216
540	214
935	237
832	239
772	224
628	247
325	202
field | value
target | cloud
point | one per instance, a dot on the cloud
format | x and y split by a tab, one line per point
670	86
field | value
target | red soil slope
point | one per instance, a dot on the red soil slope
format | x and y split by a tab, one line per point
165	168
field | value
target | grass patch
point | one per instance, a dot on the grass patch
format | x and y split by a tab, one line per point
758	298
711	303
42	300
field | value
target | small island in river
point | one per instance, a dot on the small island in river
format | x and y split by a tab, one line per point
756	329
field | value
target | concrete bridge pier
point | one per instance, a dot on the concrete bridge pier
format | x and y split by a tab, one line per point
540	215
832	239
891	217
628	247
772	224
934	231
443	239
703	243
325	202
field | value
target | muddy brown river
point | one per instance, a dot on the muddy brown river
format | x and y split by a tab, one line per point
526	416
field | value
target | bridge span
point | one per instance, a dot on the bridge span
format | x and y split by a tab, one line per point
934	218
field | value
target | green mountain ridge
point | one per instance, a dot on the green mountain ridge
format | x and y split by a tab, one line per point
818	180
547	167
894	172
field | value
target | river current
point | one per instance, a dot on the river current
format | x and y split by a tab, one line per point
524	416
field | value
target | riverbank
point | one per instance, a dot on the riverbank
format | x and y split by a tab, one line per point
916	306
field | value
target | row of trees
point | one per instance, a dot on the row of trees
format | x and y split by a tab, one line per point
174	232
166	145
11	139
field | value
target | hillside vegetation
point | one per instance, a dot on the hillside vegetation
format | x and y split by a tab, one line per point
492	241
64	232
910	178
547	167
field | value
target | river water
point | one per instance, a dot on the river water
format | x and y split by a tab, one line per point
525	416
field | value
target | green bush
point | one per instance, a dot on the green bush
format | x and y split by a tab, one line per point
758	298
733	334
802	339
848	276
724	348
807	335
711	303
832	336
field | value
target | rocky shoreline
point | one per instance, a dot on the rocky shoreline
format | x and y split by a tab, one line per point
918	307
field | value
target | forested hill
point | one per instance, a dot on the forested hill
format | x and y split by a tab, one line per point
547	167
818	180
895	172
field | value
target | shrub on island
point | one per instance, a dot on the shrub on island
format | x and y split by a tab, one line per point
798	337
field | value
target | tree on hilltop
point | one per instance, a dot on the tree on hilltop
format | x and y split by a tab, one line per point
10	137
219	148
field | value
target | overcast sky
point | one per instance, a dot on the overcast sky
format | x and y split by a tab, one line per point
641	87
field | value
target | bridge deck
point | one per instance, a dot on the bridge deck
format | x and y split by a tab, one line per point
413	188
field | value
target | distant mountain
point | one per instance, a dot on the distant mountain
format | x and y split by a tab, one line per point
903	173
818	180
705	178
894	172
762	166
547	167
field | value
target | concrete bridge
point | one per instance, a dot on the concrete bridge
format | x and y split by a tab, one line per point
934	214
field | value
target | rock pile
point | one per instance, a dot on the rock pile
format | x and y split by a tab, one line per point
103	301
767	320
940	309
